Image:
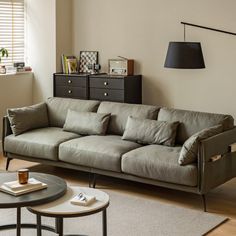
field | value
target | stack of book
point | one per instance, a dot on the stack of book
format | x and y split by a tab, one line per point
69	64
16	189
83	199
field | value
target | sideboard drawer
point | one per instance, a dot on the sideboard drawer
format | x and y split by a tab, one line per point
101	87
115	95
61	80
106	83
71	92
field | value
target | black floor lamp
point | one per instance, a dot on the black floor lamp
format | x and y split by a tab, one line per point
187	55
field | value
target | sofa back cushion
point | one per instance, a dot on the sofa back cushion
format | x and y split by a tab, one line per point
121	111
192	122
86	123
28	118
58	108
189	151
147	131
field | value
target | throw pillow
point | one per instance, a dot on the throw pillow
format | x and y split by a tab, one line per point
189	151
86	123
147	131
28	118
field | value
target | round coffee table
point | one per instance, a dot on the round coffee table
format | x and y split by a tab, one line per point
62	208
56	188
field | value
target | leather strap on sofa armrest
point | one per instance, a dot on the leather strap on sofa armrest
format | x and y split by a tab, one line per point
218	144
6	130
216	162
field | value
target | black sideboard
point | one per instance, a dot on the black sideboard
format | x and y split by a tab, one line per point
99	87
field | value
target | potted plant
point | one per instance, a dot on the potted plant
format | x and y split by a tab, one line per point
3	53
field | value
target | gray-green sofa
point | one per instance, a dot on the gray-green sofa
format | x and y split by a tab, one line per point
112	156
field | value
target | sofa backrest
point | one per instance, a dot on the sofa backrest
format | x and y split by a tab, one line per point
192	122
121	111
58	107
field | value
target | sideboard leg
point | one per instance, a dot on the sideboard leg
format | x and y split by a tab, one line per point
8	162
204	202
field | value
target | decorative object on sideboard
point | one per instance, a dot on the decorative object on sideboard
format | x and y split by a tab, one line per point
95	68
88	58
122	66
65	61
186	55
3	53
72	66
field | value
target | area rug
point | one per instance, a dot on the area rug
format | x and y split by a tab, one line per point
129	216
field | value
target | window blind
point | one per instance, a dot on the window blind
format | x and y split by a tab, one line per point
12	33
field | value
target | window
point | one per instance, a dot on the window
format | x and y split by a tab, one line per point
12	30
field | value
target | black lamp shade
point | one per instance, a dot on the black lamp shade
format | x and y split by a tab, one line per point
184	55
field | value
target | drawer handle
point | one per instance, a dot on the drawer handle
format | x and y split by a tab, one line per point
69	91
69	81
105	83
105	94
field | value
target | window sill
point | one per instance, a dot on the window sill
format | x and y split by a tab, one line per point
17	74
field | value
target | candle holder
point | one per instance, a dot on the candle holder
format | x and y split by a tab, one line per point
23	176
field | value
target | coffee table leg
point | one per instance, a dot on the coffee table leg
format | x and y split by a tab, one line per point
104	222
39	225
18	221
59	226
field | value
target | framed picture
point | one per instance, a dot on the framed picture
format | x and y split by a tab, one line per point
87	58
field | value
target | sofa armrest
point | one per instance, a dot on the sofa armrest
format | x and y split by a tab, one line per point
6	130
216	160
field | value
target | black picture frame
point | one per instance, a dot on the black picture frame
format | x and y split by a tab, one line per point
87	58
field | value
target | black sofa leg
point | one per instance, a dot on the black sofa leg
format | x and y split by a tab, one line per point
204	202
90	179
94	180
8	162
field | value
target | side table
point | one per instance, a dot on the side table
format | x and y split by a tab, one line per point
56	188
62	208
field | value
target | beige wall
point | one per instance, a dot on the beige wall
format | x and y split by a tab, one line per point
141	29
48	36
41	45
15	91
63	30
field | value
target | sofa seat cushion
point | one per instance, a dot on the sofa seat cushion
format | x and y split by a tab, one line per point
40	143
159	163
101	152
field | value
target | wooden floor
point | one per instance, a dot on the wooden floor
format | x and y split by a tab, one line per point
221	201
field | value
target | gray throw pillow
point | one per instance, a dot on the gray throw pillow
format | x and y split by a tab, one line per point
147	131
189	151
86	123
28	118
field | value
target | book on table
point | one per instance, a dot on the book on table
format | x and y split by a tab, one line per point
83	199
16	189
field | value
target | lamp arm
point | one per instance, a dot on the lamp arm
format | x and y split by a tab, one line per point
208	28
